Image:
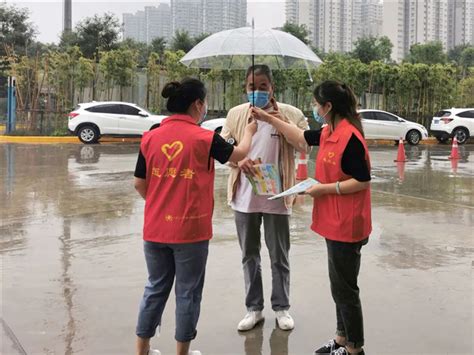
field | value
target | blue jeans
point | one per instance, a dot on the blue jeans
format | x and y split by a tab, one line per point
186	262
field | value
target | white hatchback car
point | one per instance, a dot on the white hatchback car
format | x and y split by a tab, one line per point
385	125
90	121
454	122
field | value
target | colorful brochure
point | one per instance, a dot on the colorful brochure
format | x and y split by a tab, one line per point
266	181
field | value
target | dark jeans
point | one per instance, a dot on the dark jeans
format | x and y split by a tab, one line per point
166	262
344	266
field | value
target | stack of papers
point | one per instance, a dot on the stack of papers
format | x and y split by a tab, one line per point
297	189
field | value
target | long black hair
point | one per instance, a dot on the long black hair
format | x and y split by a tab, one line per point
343	100
182	94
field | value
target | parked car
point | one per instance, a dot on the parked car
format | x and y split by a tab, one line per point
214	124
90	121
377	125
454	122
385	125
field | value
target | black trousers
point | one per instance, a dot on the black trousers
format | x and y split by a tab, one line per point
344	266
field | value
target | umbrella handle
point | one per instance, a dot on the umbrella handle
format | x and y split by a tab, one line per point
253	62
253	80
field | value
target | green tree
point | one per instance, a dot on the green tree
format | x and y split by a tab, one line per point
174	69
141	48
16	32
97	34
428	53
466	91
369	49
61	70
158	45
200	38
84	76
153	92
467	60
299	31
454	55
319	52
118	67
68	39
182	41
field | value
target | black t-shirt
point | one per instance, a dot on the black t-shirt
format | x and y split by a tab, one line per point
220	150
353	161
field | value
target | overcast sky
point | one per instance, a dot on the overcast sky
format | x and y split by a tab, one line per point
47	15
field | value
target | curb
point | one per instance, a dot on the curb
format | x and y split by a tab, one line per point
429	141
60	140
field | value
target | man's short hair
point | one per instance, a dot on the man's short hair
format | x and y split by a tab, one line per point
260	69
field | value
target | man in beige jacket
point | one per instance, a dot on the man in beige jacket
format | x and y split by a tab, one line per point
269	147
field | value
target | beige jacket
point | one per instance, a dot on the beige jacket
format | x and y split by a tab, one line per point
234	127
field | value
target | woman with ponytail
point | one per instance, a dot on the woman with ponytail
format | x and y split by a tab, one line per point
342	207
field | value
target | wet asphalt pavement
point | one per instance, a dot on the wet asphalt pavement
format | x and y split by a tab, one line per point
73	270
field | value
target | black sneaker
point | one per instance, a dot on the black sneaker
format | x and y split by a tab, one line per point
328	348
342	351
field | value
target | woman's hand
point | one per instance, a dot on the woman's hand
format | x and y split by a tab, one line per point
257	113
251	127
246	166
317	190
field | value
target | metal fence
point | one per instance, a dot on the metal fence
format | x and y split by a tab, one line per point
42	122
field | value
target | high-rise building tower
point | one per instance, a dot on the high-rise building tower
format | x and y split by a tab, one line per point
207	16
144	26
220	15
187	15
409	22
335	24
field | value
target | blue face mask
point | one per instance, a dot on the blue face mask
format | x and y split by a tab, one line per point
317	117
203	115
262	98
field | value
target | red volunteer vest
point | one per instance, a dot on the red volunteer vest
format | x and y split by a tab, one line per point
345	218
180	183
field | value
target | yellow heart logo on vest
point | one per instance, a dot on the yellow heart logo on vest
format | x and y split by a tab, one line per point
172	150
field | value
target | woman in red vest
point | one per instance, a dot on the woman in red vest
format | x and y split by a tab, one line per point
175	176
342	208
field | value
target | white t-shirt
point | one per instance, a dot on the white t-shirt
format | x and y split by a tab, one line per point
266	146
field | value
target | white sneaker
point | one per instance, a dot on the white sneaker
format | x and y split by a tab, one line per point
194	352
154	352
250	320
284	320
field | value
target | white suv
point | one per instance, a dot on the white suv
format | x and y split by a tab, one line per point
454	122
92	120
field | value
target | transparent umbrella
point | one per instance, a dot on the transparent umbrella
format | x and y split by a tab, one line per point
242	47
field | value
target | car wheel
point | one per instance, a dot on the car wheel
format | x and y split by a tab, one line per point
413	137
442	139
88	134
154	126
461	134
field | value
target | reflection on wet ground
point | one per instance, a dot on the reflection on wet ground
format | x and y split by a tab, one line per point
73	270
